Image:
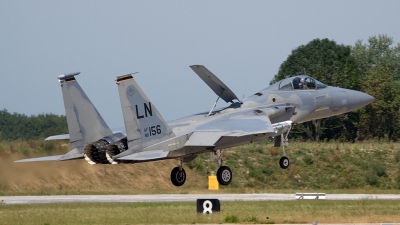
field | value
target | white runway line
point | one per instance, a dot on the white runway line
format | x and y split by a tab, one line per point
182	198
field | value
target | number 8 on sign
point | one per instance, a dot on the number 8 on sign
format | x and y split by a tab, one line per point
209	208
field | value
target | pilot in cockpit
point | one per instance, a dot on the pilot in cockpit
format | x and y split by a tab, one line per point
297	83
303	83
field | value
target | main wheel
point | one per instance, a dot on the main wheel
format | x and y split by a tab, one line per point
224	175
178	177
284	162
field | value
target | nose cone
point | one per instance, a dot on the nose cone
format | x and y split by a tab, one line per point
358	99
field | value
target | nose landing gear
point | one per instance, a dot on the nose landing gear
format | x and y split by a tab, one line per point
284	162
284	141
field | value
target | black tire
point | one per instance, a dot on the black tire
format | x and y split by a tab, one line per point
224	175
178	177
284	162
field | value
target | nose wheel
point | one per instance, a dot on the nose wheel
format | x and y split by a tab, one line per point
284	162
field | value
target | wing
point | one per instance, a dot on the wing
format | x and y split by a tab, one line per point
209	134
248	122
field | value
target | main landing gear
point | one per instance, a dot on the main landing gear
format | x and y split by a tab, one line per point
224	173
178	175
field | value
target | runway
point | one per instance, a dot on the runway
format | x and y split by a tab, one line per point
180	198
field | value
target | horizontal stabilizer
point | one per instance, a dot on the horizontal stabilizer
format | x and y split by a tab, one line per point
73	154
147	155
66	136
214	83
58	137
40	159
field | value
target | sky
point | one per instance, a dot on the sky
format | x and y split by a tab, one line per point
242	42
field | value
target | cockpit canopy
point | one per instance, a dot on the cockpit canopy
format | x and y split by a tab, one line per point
301	82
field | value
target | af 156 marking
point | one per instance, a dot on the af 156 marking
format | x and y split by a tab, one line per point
151	131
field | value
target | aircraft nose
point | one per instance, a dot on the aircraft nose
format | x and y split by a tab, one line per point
358	99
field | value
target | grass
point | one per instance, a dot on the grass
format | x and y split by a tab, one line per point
314	166
324	211
370	167
33	148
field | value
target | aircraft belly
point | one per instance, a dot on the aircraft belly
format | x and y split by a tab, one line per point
170	144
303	114
188	151
204	138
228	142
225	142
147	155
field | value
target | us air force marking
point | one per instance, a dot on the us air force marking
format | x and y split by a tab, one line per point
130	90
208	206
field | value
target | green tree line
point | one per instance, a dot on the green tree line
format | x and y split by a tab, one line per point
372	67
14	126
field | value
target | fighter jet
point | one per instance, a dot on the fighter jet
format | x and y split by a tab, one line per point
269	113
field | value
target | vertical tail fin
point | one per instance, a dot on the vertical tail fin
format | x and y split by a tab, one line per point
144	124
85	124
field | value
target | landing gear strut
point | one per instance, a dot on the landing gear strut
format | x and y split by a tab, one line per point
178	175
224	173
284	161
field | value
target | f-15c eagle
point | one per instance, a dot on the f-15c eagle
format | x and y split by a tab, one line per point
270	112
